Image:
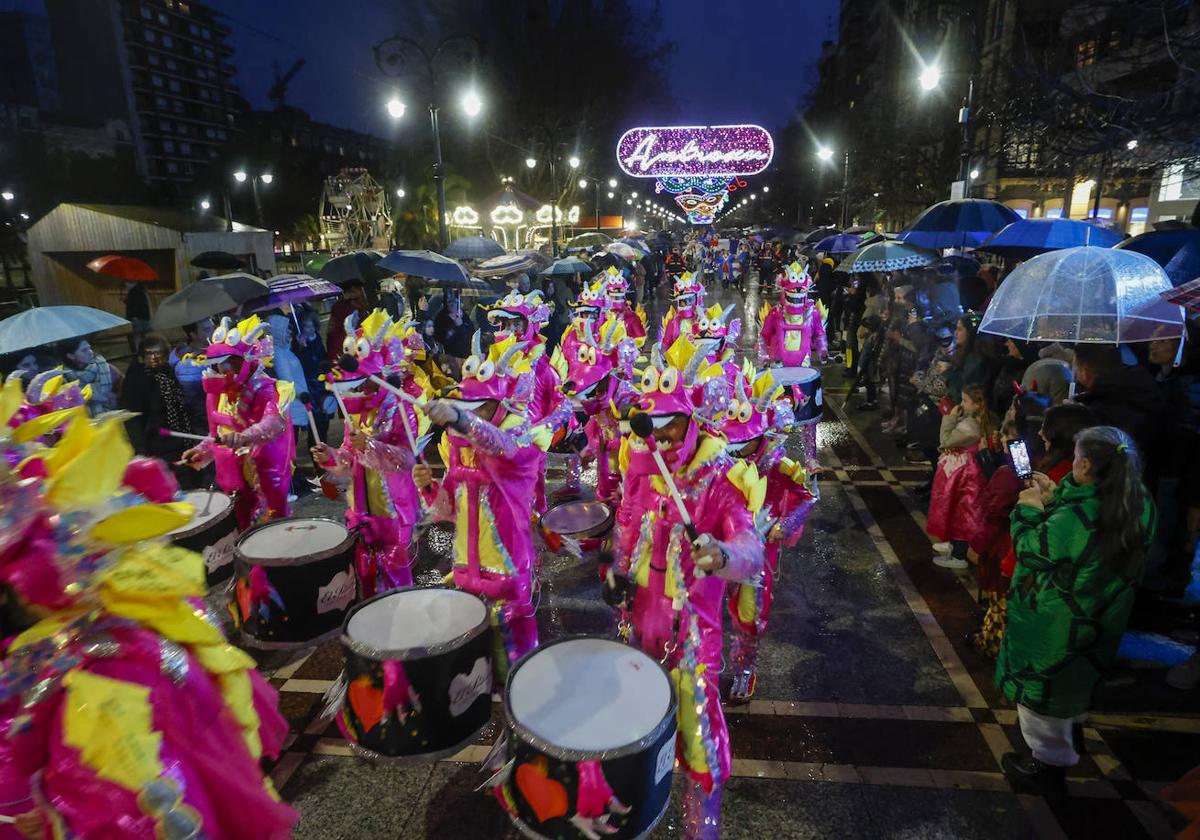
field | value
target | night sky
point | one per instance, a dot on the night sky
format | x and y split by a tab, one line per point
734	62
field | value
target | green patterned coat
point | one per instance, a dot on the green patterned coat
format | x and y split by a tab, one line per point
1066	608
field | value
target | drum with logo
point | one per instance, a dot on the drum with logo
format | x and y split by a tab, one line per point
591	740
212	533
585	521
295	582
417	681
805	387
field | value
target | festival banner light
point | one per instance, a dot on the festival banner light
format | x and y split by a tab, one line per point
695	151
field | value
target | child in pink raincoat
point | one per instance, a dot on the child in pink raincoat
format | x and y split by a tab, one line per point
954	503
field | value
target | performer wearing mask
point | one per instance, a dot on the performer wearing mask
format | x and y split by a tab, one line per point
674	581
616	290
687	302
252	441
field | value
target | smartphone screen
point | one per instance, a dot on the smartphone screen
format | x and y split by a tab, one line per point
1019	453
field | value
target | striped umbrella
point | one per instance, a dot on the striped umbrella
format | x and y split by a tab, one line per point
507	264
292	288
474	248
887	256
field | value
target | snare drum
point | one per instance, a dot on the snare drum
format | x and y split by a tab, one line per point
805	385
295	582
588	522
417	674
212	533
591	737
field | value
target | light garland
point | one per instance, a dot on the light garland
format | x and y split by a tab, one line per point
543	214
507	214
464	216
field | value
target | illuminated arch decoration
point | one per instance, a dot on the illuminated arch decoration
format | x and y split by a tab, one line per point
706	184
464	216
695	151
702	208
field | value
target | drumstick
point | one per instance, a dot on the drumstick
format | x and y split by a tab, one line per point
212	491
312	421
388	386
184	435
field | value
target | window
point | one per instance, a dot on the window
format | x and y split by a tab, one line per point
172	167
177	107
1020	151
203	93
185	149
1085	53
221	133
163	19
206	33
188	169
168	147
152	59
1022	212
213	154
150	36
146	13
174	85
1054	213
156	80
1105	213
193	29
1139	215
160	102
197	51
1180	181
210	133
172	64
209	54
168	41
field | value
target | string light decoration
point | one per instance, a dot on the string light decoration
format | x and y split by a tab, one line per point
695	151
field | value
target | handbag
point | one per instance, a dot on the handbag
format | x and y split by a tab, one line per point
989	460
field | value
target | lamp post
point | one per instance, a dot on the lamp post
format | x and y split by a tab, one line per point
266	178
552	145
394	57
930	79
826	155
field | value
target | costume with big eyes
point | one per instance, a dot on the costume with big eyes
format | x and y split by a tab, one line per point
616	287
249	409
676	612
759	411
382	501
680	318
492	470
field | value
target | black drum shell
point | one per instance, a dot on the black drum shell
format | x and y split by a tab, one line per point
298	582
213	532
813	409
434	732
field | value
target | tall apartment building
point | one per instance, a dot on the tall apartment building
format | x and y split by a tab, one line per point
162	66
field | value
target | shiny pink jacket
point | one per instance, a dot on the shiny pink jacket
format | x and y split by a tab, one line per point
803	324
259	426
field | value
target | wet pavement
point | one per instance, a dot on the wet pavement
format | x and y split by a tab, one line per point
872	717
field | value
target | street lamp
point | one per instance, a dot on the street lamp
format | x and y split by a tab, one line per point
472	104
583	183
205	204
766	189
611	194
612	183
573	162
241	176
531	162
400	192
1131	145
826	154
395	108
8	195
930	78
974	174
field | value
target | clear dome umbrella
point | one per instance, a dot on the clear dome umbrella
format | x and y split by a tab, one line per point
1084	295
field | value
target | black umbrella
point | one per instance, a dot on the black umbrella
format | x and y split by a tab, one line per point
240	286
357	265
218	260
196	302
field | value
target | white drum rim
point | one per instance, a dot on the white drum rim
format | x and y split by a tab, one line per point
193	528
413	653
774	370
601	527
301	560
553	750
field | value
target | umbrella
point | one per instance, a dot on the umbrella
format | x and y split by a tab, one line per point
1027	238
507	264
958	223
858	229
636	242
540	260
591	239
315	263
1187	295
47	324
427	264
569	265
474	248
292	288
627	252
240	286
957	267
130	269
805	238
887	256
357	265
844	243
200	300
1094	295
1163	246
218	260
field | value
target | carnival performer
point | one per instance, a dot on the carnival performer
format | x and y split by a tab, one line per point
687	301
522	317
383	440
49	392
674	581
493	457
616	289
793	335
715	327
251	436
123	711
586	312
757	425
597	376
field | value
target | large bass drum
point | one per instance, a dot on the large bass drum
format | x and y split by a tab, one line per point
295	582
417	679
804	387
591	740
585	521
212	533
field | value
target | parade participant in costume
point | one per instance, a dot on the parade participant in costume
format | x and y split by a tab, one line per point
616	287
757	425
597	379
715	327
493	458
586	313
687	302
377	454
678	579
48	392
123	711
247	418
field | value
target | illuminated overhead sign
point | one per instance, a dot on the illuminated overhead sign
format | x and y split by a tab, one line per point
695	151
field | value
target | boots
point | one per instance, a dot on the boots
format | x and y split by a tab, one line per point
1028	775
743	656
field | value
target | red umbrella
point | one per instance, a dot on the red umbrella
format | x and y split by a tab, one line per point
130	269
1187	295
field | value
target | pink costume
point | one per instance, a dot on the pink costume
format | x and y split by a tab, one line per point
488	492
247	417
793	335
124	713
758	422
616	287
688	302
596	376
46	404
958	482
522	317
676	611
382	502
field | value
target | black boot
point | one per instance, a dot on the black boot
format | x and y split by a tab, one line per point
1028	775
1077	740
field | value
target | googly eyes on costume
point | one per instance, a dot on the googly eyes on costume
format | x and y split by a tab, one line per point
470	367
745	412
591	355
363	348
218	335
703	324
581	354
487	369
348	345
668	381
650	380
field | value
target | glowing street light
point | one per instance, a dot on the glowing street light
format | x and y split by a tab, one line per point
612	183
205	204
582	183
240	176
471	103
634	194
1131	145
266	177
531	162
766	189
974	174
8	195
825	153
611	194
395	108
400	192
930	77
573	161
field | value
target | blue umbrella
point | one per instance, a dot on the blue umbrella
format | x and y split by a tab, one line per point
844	243
960	223
429	265
474	248
1027	238
569	265
47	324
1178	251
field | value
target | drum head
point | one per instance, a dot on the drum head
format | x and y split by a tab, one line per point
589	694
794	375
292	538
575	517
199	499
415	619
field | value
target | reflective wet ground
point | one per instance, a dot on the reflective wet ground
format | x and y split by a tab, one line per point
872	718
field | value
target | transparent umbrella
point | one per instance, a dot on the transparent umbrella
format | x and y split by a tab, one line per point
1089	295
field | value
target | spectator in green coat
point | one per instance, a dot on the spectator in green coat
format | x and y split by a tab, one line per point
1080	547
